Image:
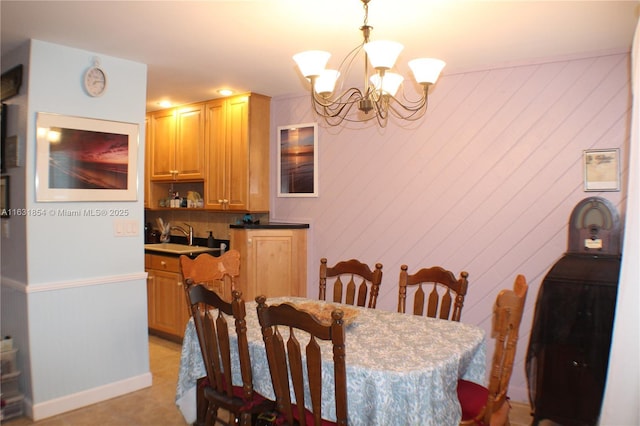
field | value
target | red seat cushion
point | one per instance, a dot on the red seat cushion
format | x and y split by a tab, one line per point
238	392
473	399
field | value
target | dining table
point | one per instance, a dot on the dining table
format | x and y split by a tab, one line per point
402	369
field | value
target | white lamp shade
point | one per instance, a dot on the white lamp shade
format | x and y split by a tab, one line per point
426	70
326	82
311	62
389	84
383	53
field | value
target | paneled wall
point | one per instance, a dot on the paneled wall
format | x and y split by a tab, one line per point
484	183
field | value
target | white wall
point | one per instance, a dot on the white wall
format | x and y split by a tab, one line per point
84	289
485	183
623	381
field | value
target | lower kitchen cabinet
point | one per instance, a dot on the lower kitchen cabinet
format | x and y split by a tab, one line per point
273	259
167	308
167	304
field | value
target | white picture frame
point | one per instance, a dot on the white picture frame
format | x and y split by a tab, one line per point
85	159
602	170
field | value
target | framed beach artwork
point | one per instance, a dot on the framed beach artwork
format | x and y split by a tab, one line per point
602	170
85	159
298	160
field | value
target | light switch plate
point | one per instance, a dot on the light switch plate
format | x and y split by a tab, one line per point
126	228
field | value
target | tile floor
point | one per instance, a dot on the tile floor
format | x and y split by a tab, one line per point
155	405
151	406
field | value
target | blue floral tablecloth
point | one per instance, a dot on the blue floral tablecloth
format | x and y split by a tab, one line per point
402	369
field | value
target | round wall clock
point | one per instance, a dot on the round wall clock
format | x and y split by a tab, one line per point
95	80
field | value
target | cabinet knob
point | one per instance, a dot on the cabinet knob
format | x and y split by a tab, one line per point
163	263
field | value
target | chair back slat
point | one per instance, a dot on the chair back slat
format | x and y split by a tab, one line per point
440	300
418	301
314	367
290	365
350	296
222	330
351	293
445	305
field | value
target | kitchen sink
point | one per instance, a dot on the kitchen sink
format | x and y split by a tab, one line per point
174	248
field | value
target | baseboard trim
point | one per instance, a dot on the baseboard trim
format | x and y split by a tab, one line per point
82	399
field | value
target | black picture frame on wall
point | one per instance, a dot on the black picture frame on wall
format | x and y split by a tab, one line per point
4	196
3	138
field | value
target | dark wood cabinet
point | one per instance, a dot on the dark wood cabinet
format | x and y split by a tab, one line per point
568	353
569	345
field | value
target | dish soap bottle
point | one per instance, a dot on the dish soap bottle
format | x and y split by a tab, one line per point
210	240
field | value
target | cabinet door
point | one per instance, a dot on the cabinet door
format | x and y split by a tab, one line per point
151	313
168	304
238	153
162	131
273	261
215	196
189	145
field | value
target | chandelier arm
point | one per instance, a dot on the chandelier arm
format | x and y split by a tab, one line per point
410	114
350	96
339	108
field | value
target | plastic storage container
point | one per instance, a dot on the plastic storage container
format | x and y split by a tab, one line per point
12	406
8	362
9	384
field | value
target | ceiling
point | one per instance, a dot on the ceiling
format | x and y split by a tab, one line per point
194	48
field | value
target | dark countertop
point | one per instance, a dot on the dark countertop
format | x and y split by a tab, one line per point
270	225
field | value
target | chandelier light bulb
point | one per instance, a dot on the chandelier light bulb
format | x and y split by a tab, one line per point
312	62
387	84
426	70
326	82
383	53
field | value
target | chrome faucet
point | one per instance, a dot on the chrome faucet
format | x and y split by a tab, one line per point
188	234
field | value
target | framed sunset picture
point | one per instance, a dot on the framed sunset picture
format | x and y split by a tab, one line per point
85	159
298	160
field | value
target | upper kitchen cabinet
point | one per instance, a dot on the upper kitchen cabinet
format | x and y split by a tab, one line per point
177	143
237	154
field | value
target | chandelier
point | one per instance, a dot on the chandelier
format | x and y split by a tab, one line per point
377	99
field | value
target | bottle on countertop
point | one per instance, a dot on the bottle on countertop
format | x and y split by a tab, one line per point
210	240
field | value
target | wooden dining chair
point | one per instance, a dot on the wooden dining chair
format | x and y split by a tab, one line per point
345	292
440	299
288	366
216	273
490	406
212	329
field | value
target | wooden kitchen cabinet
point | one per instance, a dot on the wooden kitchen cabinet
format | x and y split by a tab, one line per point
177	143
147	170
273	261
237	153
167	304
167	308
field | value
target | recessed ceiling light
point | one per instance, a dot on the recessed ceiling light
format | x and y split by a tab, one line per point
164	104
225	92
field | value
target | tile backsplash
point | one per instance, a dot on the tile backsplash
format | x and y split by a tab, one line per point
201	221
